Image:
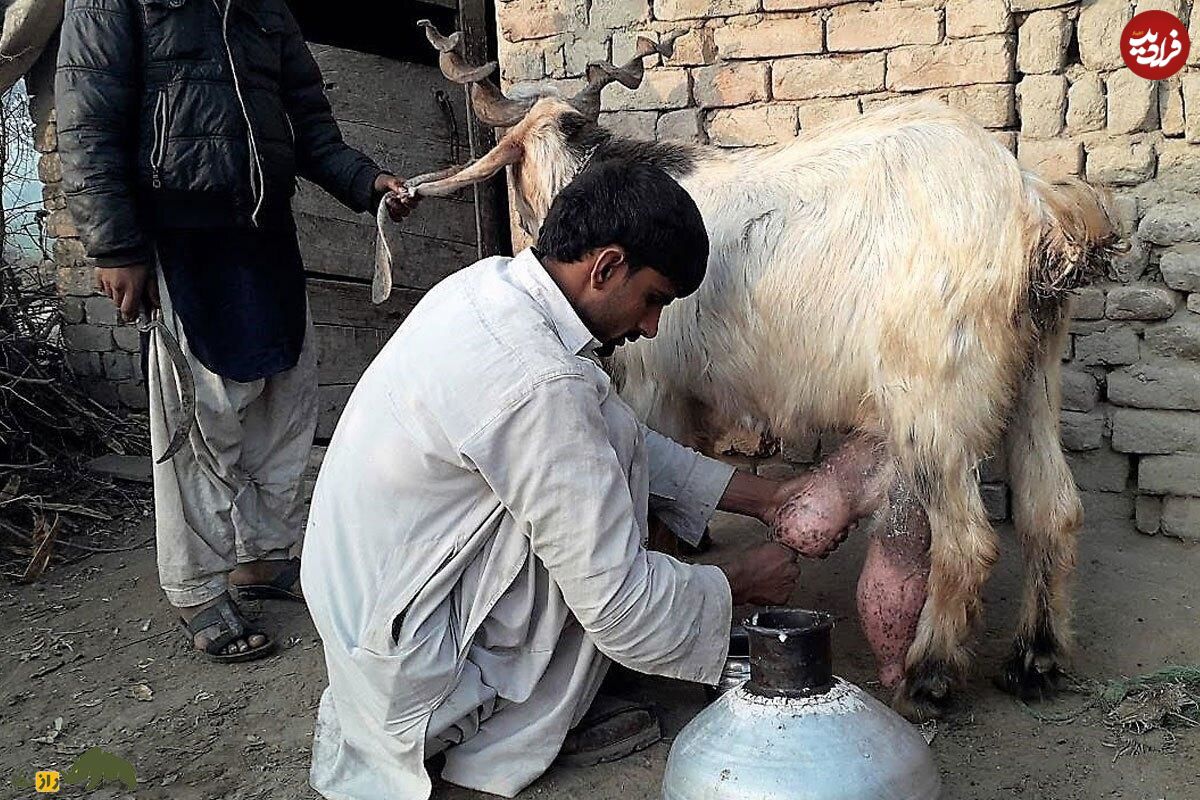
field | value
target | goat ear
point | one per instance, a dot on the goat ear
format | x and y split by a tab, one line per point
508	151
440	184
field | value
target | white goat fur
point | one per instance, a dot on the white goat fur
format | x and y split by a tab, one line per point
876	274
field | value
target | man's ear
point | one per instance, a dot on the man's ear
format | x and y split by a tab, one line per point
607	264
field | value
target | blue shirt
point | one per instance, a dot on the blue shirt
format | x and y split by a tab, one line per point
240	295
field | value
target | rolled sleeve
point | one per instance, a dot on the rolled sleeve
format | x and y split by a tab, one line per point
685	486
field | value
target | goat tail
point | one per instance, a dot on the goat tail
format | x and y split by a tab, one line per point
1076	241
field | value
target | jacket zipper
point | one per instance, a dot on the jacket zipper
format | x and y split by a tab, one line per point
158	153
257	190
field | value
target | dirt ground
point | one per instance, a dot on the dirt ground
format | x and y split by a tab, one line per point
95	645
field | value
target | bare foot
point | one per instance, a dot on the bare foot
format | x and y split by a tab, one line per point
264	573
201	642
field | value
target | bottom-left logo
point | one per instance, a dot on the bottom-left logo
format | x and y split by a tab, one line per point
91	770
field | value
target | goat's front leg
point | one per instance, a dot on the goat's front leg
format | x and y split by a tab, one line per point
894	583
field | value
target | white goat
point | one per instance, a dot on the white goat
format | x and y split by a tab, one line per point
898	274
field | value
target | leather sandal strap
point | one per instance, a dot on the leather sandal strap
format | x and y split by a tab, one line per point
221	623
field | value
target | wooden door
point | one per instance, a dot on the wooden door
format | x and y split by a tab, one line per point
410	119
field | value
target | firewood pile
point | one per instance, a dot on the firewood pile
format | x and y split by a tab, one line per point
51	507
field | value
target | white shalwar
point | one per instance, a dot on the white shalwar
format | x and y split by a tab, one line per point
474	554
232	494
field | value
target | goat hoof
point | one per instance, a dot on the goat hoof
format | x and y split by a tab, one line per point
916	708
925	693
1030	675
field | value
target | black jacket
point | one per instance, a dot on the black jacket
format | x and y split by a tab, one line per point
192	113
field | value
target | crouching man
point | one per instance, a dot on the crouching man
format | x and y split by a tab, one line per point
474	558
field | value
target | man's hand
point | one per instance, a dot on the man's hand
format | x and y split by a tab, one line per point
131	289
763	576
400	201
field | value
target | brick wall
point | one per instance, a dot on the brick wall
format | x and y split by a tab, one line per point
1047	77
102	353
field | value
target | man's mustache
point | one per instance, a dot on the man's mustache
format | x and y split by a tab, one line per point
605	350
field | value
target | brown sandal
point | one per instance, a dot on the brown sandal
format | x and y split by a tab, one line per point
222	624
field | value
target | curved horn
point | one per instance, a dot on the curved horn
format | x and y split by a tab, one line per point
629	75
489	103
456	68
493	108
443	44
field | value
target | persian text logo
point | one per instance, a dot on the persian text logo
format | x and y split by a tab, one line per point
1155	45
47	782
91	770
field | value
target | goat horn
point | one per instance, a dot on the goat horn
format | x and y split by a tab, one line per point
601	73
493	108
456	68
489	103
443	44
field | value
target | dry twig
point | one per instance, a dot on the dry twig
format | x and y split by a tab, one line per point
49	427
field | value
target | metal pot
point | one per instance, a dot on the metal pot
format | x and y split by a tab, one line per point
737	664
794	731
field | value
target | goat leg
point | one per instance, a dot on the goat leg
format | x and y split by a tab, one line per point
894	583
823	503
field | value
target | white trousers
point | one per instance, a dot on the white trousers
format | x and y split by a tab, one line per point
232	494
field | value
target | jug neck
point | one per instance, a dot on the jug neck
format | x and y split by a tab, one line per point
791	653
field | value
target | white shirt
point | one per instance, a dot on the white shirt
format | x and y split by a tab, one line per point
476	540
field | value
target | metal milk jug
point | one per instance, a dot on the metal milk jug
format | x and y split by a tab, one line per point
794	731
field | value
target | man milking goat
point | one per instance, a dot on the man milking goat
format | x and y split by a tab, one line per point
474	559
182	126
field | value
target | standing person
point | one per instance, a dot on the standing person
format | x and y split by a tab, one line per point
474	559
182	126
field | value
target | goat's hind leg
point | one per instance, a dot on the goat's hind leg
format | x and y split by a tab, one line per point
1047	515
962	551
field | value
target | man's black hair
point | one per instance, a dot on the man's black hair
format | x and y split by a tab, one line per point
634	205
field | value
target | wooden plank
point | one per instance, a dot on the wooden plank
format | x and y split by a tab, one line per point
336	247
447	218
333	302
491	198
391	95
343	353
421	262
330	402
436	218
409	152
405	153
